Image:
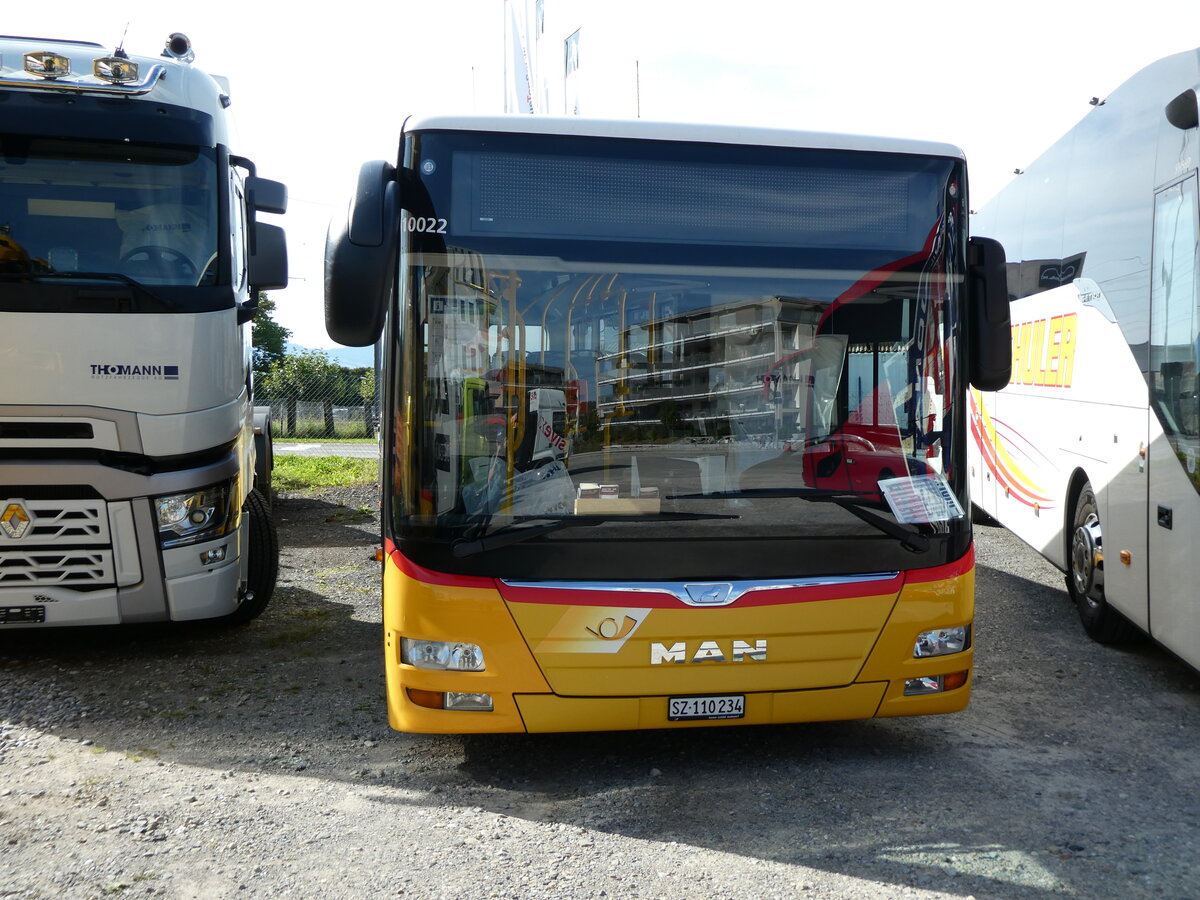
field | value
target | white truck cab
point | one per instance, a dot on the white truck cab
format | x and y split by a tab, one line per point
134	471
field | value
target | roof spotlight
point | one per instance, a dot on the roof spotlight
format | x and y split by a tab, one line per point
115	70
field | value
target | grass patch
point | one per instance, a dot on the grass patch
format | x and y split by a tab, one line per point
298	472
345	514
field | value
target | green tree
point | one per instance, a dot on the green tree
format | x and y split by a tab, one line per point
268	336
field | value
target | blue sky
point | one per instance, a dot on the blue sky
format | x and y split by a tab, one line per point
318	89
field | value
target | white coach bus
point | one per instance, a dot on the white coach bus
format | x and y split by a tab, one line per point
1092	452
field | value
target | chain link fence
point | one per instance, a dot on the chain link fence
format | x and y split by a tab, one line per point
312	398
320	419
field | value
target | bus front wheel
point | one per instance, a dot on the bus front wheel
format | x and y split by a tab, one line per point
1085	578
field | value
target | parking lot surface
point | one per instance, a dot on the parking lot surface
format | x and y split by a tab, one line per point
198	762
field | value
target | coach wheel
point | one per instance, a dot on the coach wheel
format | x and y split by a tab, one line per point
1085	578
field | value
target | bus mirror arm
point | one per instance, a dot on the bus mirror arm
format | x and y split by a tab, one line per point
991	335
360	257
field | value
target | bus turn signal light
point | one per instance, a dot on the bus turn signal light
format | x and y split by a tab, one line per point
427	699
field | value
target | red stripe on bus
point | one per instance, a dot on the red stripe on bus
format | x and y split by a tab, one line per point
430	576
957	569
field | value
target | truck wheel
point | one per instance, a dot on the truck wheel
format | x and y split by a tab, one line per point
1085	578
263	550
264	454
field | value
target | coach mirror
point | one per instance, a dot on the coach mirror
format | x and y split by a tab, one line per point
360	258
1183	112
991	336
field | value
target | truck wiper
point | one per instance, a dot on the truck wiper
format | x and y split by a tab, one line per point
511	534
852	503
89	276
141	292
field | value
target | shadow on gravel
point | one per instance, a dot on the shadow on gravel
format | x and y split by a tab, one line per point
337	525
285	692
216	695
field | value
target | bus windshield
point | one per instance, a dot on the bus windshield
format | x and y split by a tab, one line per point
575	381
117	210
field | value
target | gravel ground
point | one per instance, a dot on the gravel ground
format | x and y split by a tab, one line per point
197	763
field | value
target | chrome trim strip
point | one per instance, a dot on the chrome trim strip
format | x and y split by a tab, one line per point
698	593
83	83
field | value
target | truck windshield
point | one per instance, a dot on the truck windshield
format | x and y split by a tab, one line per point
713	400
135	212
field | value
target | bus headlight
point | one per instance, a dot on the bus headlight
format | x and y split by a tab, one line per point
942	641
456	656
195	516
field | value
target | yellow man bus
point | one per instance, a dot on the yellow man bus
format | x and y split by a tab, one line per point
674	421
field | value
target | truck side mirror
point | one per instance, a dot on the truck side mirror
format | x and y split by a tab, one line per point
991	334
360	258
268	264
265	195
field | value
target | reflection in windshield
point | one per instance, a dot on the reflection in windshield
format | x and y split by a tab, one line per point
148	214
551	391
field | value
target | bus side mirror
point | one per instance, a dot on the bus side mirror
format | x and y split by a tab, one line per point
991	334
360	258
267	268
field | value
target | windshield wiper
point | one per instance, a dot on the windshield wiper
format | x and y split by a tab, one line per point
89	276
511	534
911	540
141	293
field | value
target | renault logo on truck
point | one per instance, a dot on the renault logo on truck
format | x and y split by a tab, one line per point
708	651
14	521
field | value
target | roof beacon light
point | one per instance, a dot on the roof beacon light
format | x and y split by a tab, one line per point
179	46
47	64
115	70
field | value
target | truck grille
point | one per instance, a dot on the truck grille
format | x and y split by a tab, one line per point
66	543
68	568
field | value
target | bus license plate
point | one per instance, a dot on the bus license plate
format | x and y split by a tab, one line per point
730	706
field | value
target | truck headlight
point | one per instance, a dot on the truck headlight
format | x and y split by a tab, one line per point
456	656
942	641
194	516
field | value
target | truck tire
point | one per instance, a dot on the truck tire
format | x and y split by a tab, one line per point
264	454
263	550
